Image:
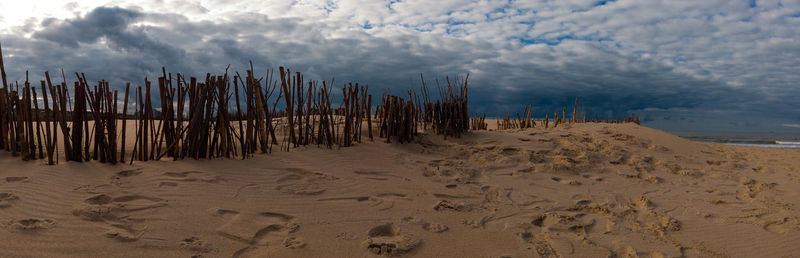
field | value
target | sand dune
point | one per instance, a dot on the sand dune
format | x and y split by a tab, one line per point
583	190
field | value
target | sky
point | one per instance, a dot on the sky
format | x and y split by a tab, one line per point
710	65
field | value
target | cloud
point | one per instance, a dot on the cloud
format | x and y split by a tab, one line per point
701	58
102	21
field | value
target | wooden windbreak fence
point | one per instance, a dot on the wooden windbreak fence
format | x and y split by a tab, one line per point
525	120
227	116
401	118
220	116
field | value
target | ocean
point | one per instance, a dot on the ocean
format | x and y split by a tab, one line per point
769	140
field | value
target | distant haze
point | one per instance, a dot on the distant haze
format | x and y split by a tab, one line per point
680	65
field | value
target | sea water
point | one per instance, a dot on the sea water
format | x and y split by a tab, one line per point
769	139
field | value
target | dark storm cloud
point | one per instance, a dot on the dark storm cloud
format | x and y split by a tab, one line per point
100	22
548	68
114	25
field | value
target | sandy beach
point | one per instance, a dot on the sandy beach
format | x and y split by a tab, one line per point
399	128
578	190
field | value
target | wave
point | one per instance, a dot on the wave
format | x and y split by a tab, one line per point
773	140
726	140
781	146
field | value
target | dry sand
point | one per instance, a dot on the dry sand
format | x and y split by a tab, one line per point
584	190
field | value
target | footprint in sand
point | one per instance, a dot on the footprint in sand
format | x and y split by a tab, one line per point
13	179
6	199
125	203
191	176
453	172
129	173
396	195
117	178
248	189
539	244
195	244
781	226
346	236
184	174
371	201
124	232
553	245
355	198
429	226
293	243
388	240
573	221
98	199
566	181
379	175
622	137
117	213
388	200
448	196
224	212
167	184
592	177
30	224
259	229
647	217
303	182
95	189
445	205
523	172
381	201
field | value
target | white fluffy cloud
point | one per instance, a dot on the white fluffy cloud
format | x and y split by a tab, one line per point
620	56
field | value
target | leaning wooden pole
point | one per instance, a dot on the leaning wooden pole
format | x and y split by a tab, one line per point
575	112
287	94
38	123
5	107
124	123
77	121
369	116
3	70
47	118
